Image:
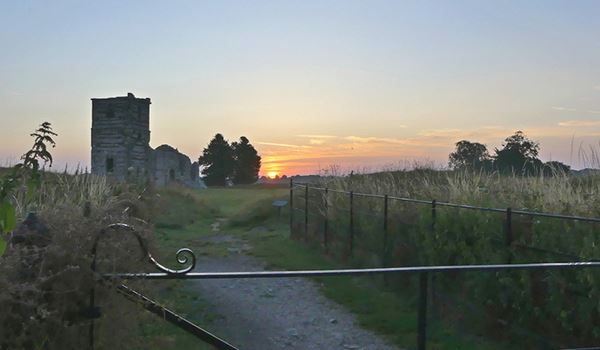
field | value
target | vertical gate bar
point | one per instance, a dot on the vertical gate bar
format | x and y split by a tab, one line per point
306	212
292	206
326	223
422	313
351	222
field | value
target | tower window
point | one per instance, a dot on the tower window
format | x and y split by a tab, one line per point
110	165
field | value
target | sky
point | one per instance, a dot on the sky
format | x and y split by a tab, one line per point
314	85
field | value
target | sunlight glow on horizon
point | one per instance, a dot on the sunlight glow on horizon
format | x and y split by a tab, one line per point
311	84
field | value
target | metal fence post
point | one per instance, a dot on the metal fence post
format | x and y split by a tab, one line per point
306	212
292	206
385	256
509	233
351	222
432	286
385	230
422	312
326	223
433	215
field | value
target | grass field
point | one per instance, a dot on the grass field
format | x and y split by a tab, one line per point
244	208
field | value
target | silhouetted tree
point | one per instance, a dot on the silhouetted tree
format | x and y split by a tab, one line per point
519	155
247	162
217	159
469	155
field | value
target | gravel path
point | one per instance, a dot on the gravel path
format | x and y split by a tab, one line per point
266	314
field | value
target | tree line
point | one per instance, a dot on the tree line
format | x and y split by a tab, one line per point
518	155
238	162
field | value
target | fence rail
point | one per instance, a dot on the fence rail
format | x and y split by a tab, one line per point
447	204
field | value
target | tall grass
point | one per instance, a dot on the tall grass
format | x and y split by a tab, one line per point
551	308
561	193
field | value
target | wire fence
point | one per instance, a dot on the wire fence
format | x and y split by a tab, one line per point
373	230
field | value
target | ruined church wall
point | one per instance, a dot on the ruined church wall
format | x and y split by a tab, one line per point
169	165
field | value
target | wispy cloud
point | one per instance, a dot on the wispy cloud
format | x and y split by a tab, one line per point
597	87
593	111
359	139
309	136
316	141
286	145
564	109
579	123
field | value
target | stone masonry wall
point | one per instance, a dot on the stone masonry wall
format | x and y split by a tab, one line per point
120	136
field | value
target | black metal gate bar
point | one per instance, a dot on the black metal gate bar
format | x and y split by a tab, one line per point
174	318
340	272
423	271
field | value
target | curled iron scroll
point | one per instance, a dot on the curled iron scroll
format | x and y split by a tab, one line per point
184	256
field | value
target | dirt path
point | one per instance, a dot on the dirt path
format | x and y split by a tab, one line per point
269	314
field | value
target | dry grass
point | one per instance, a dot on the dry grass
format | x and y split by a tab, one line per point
558	194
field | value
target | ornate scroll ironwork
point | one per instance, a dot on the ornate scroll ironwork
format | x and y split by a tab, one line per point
184	256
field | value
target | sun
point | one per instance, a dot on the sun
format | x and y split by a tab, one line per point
272	174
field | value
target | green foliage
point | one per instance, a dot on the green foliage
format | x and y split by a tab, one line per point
26	173
8	218
519	155
247	162
469	155
217	159
238	162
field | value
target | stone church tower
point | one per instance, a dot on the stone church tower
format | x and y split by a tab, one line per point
121	136
121	145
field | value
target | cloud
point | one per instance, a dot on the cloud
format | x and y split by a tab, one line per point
593	111
282	145
564	109
579	123
597	87
318	136
359	139
316	141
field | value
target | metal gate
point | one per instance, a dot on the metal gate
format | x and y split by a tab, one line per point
187	259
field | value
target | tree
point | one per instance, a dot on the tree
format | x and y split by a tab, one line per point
218	162
519	155
469	155
247	162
